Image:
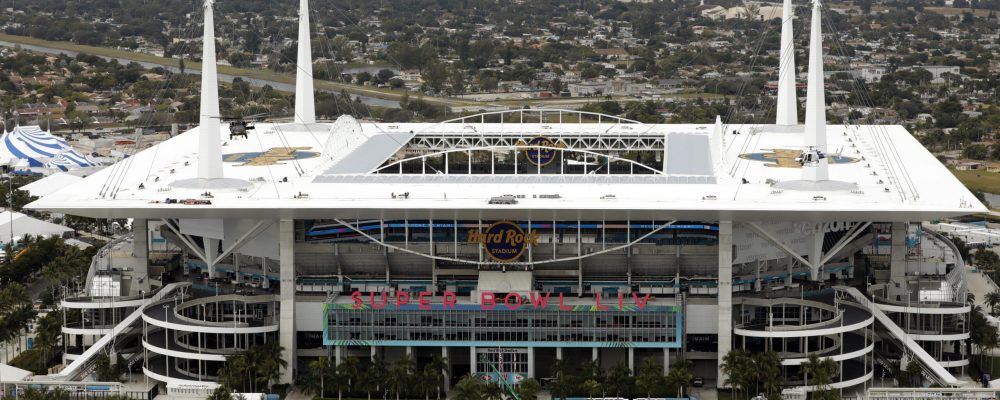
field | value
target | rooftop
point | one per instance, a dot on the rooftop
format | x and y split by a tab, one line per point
353	168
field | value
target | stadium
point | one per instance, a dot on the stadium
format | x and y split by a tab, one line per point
507	240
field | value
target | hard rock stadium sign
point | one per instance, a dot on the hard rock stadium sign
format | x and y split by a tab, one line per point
504	241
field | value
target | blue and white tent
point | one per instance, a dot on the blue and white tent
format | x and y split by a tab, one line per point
42	150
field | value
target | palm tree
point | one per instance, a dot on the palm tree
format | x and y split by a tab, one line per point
268	363
316	383
402	373
469	388
347	371
48	333
492	391
434	374
562	383
767	373
821	372
373	380
649	381
679	376
737	368
528	389
992	300
619	380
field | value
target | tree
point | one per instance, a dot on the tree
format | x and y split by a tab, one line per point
619	381
736	367
528	389
469	388
650	379
106	372
316	382
986	259
767	374
992	299
221	393
457	81
434	373
384	75
562	382
434	76
820	372
373	380
346	375
679	376
593	387
401	376
268	363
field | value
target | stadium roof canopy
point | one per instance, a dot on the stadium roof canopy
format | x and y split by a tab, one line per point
348	169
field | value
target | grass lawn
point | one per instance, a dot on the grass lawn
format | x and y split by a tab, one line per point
979	180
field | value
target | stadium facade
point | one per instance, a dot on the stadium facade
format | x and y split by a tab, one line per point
506	240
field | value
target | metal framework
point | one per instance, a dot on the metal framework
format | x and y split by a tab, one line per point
517	147
579	256
607	133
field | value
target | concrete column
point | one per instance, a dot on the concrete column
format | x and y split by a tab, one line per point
531	362
559	353
815	255
472	360
725	292
595	354
409	350
211	251
631	358
338	355
140	243
791	264
140	250
897	257
286	323
666	362
447	369
374	353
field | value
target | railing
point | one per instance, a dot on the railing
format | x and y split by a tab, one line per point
935	371
957	276
86	361
95	263
930	393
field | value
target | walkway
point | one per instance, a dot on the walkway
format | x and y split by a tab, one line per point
77	366
929	362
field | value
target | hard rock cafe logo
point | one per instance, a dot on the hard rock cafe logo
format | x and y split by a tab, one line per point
544	153
273	156
787	158
504	241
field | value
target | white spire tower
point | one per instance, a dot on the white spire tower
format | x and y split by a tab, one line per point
716	142
210	126
787	100
305	104
815	130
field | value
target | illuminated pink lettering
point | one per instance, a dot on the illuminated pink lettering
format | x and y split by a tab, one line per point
422	303
516	305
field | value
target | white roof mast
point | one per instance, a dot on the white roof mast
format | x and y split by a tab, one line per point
305	104
210	125
787	98
815	130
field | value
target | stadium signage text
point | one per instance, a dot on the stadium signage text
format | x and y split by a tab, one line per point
504	241
491	301
542	153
